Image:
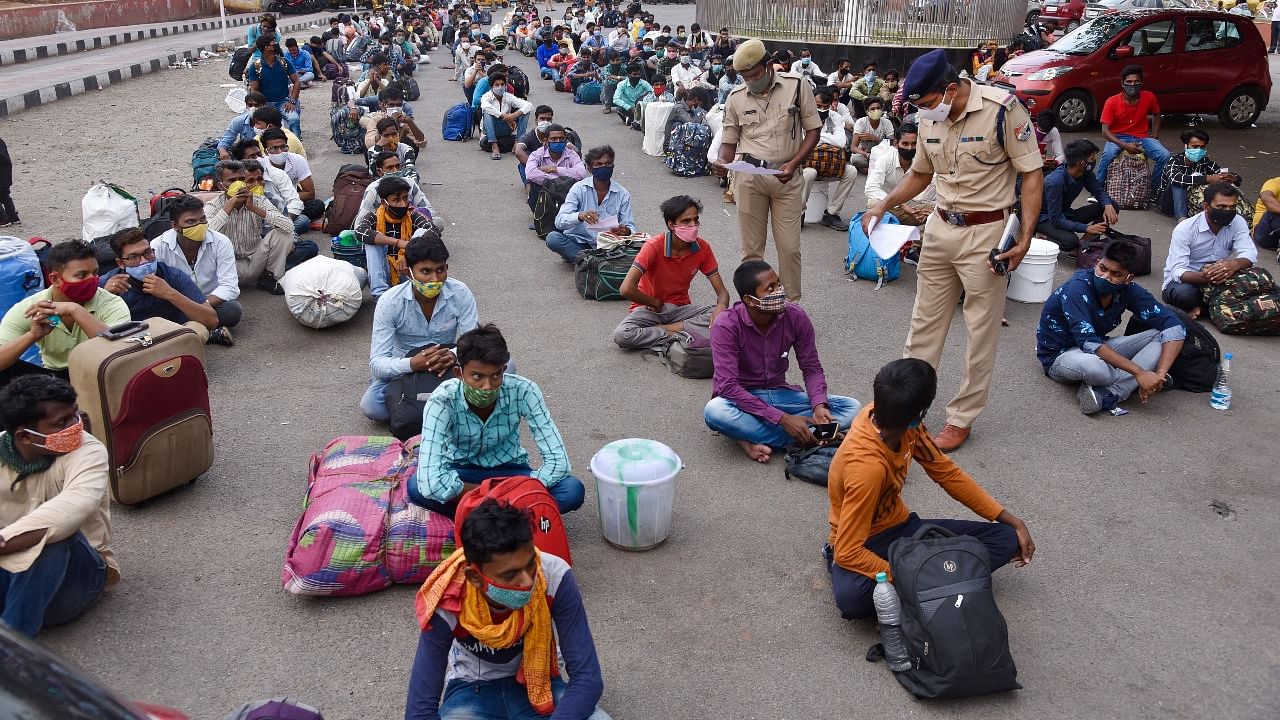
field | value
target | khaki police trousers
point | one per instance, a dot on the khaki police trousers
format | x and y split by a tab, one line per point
954	260
765	202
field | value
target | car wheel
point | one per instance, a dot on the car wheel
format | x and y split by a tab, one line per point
1241	108
1033	16
1074	110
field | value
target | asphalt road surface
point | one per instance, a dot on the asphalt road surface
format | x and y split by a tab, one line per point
1142	602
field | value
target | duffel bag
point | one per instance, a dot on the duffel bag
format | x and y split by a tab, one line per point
1089	254
810	464
598	274
406	398
688	354
828	160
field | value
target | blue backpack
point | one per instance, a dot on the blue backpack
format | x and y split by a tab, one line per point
588	93
863	262
457	122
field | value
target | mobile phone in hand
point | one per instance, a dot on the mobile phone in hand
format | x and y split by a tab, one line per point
825	431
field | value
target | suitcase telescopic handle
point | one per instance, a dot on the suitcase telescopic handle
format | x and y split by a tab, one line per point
123	330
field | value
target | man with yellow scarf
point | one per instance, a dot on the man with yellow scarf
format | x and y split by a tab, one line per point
491	616
386	232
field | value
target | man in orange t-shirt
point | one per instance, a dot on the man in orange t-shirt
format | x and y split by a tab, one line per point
865	489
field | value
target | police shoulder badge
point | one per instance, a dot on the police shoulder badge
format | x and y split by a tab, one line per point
1022	132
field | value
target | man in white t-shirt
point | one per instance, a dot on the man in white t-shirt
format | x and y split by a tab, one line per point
889	164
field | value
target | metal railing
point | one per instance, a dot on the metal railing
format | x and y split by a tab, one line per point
889	23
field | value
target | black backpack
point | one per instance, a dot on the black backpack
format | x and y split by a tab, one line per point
402	399
518	81
1196	367
810	464
239	61
956	637
545	207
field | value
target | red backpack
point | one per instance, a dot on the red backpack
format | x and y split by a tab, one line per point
529	495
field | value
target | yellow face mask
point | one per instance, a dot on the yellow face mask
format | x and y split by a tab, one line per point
234	188
195	233
258	190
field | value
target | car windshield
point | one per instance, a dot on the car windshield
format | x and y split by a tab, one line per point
1087	38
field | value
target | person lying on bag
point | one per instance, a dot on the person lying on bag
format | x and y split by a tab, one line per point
494	617
751	344
70	311
55	522
1207	248
471	430
430	309
658	282
1072	342
867	512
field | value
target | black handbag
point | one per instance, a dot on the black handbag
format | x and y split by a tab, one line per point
407	398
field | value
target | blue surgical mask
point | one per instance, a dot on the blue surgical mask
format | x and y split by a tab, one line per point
557	147
603	174
505	596
140	271
1196	154
1104	286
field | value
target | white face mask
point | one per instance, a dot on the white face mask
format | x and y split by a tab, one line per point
937	113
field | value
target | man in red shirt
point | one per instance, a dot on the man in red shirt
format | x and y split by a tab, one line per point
658	283
1131	122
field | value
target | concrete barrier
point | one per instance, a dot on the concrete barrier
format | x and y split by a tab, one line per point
35	20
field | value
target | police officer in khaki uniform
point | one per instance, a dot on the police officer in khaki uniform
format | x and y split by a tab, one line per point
977	140
770	121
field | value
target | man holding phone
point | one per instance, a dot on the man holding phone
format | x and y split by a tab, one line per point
751	346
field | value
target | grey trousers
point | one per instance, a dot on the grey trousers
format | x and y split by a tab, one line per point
640	331
1076	366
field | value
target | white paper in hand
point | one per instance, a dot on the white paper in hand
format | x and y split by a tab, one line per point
887	240
747	168
607	222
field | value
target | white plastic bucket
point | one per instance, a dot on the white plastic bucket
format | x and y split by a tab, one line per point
635	484
816	206
1032	282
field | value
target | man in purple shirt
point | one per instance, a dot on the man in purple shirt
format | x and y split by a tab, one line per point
555	159
751	344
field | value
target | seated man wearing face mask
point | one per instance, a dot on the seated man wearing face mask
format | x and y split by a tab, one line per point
276	146
55	521
835	136
555	159
386	232
629	93
869	131
238	213
751	346
277	185
1072	342
888	167
155	289
386	165
594	204
686	76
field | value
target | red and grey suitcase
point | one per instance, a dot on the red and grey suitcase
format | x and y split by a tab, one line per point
144	388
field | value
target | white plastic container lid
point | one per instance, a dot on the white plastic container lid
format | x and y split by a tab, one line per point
235	100
635	461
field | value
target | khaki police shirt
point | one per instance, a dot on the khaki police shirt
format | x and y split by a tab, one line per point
974	171
764	127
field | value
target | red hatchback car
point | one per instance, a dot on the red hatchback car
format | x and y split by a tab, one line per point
1067	13
1195	61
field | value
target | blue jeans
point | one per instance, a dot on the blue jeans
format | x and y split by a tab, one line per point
567	246
569	493
65	580
503	699
292	118
1179	195
493	129
1076	366
550	73
1150	146
375	259
853	590
727	419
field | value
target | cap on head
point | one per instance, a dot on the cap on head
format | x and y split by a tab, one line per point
748	55
924	74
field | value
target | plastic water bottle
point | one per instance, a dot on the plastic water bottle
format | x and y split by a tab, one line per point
889	614
1220	398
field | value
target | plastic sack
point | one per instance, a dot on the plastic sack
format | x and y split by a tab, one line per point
322	292
20	277
107	209
715	121
656	115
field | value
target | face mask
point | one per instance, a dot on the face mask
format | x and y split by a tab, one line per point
875	115
499	91
544	126
557	147
687	233
507	597
258	190
277	160
396	212
891	84
428	289
257	132
1132	90
1220	217
1196	154
64	441
659	89
602	174
140	271
466	46
824	114
81	291
685	60
760	84
1104	286
906	154
937	113
806	61
775	302
717	68
195	233
480	398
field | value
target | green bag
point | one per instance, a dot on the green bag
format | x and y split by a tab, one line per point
1246	304
598	274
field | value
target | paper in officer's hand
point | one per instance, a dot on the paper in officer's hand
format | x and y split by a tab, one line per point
746	168
887	239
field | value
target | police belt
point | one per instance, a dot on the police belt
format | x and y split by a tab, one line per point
753	160
967	219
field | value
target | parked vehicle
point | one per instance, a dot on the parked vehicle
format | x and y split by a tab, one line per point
1195	61
1067	13
1106	7
1033	10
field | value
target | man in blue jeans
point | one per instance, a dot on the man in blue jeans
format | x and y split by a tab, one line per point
594	204
1131	122
55	528
502	113
471	430
276	78
751	344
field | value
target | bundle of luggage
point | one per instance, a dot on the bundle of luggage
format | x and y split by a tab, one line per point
1247	303
359	533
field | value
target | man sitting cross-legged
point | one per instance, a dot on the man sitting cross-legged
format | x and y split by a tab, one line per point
658	282
751	344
